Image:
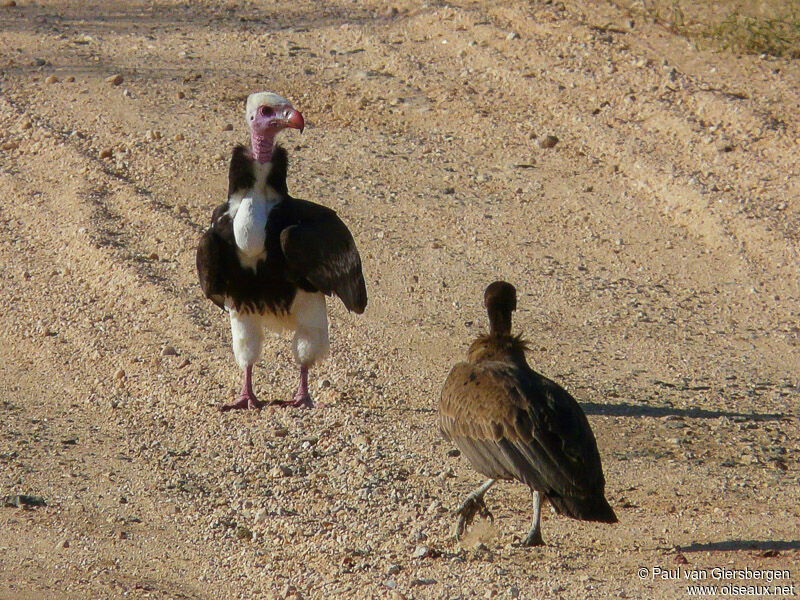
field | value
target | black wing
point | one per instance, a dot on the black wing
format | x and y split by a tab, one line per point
320	249
212	256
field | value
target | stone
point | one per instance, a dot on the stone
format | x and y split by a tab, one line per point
115	79
20	500
548	141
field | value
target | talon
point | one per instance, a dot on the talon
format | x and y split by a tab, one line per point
472	506
302	401
245	402
487	514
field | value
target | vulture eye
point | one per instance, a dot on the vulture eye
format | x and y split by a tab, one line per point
265	111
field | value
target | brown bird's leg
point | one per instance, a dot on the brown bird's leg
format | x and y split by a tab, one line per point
247	397
535	536
473	505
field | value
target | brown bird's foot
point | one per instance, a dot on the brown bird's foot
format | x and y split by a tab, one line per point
535	536
245	402
534	539
473	505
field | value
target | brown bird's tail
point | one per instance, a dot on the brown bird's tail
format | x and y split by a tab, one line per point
593	508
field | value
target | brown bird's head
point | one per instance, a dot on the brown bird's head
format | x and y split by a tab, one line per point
500	299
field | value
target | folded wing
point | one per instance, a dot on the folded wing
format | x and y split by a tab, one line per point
320	249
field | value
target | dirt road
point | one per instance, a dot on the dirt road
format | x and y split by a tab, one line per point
655	247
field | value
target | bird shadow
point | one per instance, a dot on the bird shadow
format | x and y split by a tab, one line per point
632	410
735	545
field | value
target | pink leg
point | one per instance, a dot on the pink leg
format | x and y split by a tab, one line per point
301	397
247	398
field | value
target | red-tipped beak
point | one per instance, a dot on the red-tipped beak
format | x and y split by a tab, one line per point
295	120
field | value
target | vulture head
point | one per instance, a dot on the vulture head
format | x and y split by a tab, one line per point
500	299
267	114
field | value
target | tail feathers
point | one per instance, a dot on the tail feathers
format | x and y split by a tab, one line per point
592	508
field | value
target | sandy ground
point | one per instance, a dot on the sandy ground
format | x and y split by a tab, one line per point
655	248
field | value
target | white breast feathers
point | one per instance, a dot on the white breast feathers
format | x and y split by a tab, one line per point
250	224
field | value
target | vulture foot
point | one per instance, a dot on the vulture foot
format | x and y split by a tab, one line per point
245	402
534	539
473	505
302	401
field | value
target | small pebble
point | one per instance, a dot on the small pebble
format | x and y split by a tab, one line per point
279	471
420	552
106	153
548	141
116	79
280	432
70	79
119	374
227	127
169	351
180	95
243	533
179	137
51	79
